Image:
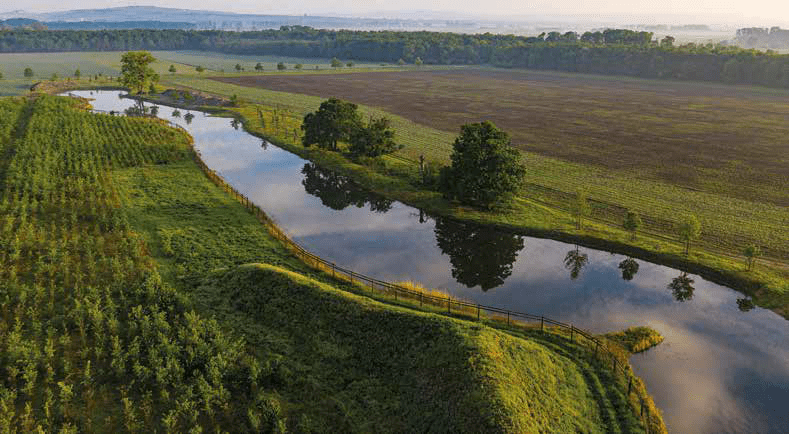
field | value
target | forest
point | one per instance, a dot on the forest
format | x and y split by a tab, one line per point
609	52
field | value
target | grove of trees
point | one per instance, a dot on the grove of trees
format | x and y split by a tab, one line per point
339	121
611	52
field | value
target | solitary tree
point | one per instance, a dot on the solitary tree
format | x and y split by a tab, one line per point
298	66
581	209
1	75
77	74
335	63
136	73
401	62
239	68
199	68
374	139
28	72
349	64
484	169
632	223
334	121
234	100
281	66
418	61
689	230
751	253
172	69
259	67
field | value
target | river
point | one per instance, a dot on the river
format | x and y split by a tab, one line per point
724	366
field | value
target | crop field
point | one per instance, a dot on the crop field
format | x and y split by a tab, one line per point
661	148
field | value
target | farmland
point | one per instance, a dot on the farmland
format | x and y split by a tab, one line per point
661	148
116	250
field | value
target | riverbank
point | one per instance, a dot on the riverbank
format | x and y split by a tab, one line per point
394	178
184	242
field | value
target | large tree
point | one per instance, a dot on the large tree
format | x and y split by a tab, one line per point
136	74
484	169
334	121
374	139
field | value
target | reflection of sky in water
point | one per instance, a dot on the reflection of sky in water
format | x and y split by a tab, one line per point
719	369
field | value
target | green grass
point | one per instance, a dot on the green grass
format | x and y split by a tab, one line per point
543	209
636	339
341	371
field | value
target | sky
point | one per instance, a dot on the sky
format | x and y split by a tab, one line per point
643	11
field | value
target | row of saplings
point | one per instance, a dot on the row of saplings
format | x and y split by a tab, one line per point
485	169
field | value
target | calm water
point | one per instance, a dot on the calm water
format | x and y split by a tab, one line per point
724	367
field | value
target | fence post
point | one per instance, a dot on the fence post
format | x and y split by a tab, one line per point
508	317
596	345
629	385
449	304
542	323
572	333
395	293
614	359
420	298
477	312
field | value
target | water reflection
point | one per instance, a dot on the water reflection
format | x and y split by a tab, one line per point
682	287
188	117
235	123
629	269
575	261
339	192
479	256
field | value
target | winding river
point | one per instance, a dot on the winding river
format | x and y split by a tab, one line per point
724	366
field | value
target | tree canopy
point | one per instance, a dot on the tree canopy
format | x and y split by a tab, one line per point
374	139
334	121
136	74
485	168
689	230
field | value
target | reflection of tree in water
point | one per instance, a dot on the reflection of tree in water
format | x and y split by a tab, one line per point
682	287
235	123
575	261
338	192
629	268
745	304
479	256
188	117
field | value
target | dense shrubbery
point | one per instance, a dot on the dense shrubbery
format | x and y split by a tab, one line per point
616	52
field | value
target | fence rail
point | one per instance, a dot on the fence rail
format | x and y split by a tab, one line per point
454	307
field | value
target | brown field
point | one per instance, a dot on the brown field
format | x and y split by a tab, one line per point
731	141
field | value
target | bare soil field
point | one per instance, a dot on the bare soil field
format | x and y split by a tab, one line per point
731	141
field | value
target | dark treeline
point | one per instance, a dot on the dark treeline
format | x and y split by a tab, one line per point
612	52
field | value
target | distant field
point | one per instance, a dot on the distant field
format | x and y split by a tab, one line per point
662	148
14	82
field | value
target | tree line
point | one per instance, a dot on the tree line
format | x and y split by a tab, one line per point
610	52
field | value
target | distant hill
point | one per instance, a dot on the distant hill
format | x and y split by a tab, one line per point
27	23
125	17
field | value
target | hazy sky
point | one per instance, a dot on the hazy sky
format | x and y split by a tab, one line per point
765	11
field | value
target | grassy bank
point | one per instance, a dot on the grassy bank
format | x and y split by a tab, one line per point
397	177
309	329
